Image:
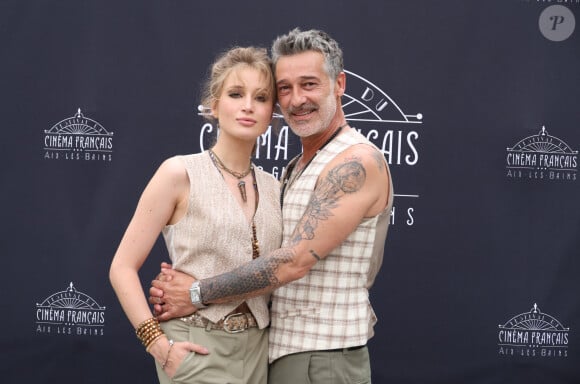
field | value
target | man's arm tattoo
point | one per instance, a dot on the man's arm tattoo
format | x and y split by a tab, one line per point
380	159
252	279
343	179
315	255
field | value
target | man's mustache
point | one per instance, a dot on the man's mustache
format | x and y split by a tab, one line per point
308	107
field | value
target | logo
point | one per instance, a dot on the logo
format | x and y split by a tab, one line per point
70	312
533	334
78	138
557	23
542	156
374	114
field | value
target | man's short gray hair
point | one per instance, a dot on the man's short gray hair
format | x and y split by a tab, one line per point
297	41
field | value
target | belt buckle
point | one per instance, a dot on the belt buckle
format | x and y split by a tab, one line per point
233	317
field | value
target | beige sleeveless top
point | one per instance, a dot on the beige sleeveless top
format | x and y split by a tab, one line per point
214	236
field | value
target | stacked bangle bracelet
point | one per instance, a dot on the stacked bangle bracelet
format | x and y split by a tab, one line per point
149	332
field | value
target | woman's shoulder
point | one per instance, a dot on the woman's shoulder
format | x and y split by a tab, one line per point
268	184
173	167
185	160
266	176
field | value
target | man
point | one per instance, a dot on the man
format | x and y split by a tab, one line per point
336	197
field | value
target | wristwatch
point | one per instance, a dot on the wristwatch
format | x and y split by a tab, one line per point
195	295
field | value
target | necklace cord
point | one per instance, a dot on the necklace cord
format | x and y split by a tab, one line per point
237	175
291	169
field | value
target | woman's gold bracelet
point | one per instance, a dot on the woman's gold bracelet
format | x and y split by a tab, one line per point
149	332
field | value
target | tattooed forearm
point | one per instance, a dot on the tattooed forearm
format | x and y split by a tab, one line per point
252	279
343	179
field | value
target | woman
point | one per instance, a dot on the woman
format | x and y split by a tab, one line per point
216	211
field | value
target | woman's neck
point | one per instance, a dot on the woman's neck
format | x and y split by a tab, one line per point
236	157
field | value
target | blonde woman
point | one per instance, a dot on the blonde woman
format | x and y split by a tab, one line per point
216	211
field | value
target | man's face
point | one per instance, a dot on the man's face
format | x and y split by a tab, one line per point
308	97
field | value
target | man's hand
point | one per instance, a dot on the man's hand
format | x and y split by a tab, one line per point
169	294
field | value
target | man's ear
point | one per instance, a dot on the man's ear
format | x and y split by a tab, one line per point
340	85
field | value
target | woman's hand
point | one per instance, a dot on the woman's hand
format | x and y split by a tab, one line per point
169	294
180	350
171	356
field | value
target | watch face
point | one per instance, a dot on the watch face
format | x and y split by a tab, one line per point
194	295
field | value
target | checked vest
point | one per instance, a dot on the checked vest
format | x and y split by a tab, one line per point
328	308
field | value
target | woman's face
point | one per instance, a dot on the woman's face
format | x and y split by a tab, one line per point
244	107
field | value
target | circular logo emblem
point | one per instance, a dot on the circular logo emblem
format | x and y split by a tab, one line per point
557	23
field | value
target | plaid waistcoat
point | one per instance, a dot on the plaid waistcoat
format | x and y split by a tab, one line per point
328	308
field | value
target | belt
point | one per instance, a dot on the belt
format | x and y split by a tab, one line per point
349	349
232	323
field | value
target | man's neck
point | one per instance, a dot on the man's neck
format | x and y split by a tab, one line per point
311	145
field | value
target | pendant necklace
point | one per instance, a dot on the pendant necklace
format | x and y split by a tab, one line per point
242	188
237	175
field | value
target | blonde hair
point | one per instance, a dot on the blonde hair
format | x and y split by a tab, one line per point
252	57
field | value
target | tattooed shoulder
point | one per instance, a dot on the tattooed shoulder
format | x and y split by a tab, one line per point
379	158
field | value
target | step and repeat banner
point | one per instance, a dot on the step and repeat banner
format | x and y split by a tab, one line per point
475	105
